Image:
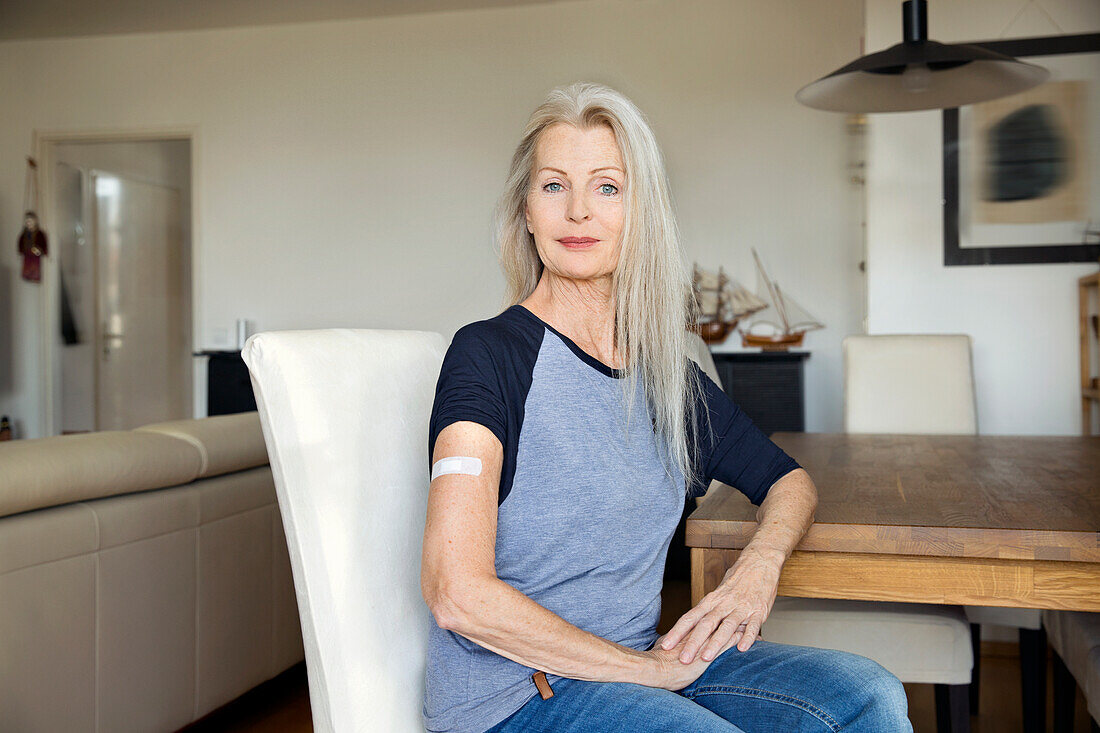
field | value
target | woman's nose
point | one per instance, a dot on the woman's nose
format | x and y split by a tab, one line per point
578	208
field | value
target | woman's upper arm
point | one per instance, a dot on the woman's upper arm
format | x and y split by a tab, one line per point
736	451
460	530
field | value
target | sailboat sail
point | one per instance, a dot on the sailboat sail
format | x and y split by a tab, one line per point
798	318
720	303
782	319
722	298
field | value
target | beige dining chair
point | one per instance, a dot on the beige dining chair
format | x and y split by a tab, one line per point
925	384
900	384
1075	638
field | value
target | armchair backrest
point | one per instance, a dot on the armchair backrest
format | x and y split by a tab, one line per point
345	419
702	356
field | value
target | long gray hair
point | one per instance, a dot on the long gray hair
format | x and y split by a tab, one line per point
651	286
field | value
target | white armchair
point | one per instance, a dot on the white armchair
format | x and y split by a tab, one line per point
345	419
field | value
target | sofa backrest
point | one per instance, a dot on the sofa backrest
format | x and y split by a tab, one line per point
63	469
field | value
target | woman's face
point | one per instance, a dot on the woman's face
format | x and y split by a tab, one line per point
577	194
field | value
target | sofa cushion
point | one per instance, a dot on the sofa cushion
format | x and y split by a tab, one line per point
133	517
226	442
236	493
37	538
145	631
47	645
43	472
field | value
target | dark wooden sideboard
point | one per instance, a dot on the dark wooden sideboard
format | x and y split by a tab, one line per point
768	386
228	386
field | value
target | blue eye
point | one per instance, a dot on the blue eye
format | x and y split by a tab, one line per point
610	185
552	183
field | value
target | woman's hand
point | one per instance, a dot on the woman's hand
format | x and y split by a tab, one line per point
669	672
730	614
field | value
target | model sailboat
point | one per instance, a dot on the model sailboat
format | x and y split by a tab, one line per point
721	304
783	323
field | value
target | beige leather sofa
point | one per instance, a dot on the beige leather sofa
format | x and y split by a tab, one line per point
144	577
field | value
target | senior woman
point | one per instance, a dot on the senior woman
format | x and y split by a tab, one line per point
576	426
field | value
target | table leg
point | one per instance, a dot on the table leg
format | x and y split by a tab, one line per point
708	568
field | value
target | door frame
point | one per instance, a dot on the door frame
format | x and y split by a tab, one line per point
43	144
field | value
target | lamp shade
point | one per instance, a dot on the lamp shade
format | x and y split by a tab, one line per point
920	74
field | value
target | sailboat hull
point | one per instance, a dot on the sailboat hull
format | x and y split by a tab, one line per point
714	332
777	342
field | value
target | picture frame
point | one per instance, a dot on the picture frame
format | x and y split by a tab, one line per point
992	244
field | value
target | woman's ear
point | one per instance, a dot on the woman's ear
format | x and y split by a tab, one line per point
528	217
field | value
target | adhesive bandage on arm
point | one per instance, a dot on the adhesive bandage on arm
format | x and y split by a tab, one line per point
456	464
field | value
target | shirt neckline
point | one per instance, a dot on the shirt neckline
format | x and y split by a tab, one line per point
581	353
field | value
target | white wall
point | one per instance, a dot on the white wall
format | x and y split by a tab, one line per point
1023	318
345	171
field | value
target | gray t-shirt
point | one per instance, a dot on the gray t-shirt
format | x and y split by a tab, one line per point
586	507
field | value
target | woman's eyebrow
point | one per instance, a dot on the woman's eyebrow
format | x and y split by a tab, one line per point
594	170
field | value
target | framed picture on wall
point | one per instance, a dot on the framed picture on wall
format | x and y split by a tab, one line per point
1021	174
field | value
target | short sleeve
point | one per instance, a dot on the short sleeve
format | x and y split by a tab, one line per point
733	450
469	388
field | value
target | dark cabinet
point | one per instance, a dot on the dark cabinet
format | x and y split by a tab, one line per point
767	386
228	386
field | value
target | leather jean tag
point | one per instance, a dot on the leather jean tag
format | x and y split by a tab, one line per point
544	686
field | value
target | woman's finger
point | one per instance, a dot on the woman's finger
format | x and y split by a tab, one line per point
726	631
751	631
687	622
682	627
699	636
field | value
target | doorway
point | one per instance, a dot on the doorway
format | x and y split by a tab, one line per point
118	353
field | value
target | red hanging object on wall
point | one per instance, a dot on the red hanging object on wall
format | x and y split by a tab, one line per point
32	240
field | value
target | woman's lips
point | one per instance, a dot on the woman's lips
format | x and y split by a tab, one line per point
577	242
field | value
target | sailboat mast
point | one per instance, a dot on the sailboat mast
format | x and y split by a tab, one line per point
782	307
773	290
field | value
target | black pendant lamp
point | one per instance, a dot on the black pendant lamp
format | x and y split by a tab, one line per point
920	74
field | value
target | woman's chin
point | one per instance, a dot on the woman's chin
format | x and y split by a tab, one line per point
572	271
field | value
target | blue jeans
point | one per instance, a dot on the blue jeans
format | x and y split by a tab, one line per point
771	687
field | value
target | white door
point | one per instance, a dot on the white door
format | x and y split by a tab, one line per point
143	359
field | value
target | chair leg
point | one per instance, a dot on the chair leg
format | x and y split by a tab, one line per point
1065	696
976	672
1033	679
952	709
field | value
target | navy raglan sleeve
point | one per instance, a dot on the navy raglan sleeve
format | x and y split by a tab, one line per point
733	450
469	387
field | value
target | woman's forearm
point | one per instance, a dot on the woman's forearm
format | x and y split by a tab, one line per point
784	516
500	618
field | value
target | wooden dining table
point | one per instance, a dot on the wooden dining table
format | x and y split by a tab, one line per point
952	519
